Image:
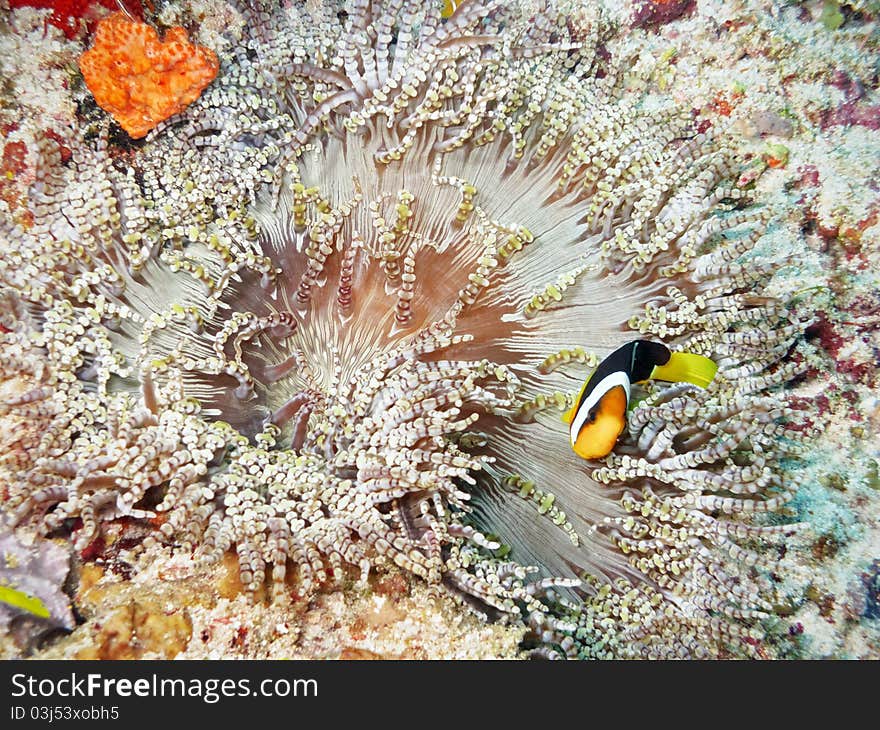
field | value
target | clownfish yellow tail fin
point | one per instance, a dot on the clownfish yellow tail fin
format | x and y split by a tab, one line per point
686	367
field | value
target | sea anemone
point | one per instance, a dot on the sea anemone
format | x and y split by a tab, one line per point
330	315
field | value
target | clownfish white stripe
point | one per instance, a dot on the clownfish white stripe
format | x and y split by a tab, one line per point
602	387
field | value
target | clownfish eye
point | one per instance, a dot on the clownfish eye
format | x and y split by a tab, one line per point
591	416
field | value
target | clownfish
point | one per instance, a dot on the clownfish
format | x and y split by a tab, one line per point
598	416
449	7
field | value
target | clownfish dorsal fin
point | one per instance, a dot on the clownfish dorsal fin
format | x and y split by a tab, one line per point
686	367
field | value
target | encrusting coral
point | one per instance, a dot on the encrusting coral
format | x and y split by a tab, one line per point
331	315
141	80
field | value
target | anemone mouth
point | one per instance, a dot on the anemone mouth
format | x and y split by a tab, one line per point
356	285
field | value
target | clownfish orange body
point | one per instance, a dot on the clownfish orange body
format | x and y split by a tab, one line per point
598	416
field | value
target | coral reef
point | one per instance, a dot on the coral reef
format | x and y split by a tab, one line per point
332	314
173	608
141	80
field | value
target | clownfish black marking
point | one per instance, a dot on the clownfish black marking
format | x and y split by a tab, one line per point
598	416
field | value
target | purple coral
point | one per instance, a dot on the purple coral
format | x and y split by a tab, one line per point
37	570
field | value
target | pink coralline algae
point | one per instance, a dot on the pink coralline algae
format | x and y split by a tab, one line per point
852	111
653	13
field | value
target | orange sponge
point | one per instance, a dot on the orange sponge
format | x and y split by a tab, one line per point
141	80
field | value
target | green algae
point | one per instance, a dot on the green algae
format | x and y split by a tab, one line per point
831	16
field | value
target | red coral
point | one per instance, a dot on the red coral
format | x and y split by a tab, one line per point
832	341
808	408
829	339
858	372
724	102
62	148
67	14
